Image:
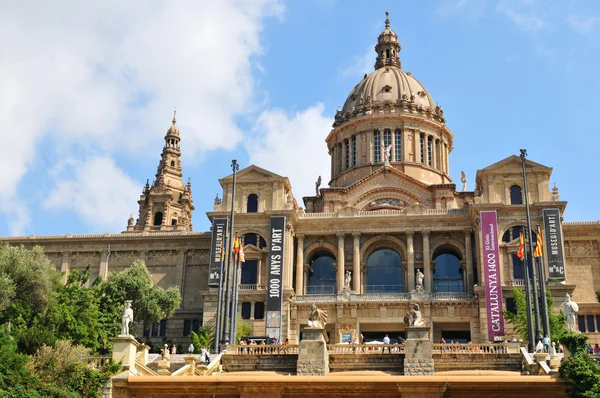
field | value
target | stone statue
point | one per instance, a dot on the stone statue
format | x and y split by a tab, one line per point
217	202
413	318
317	318
463	179
420	278
166	354
318	185
347	280
127	318
387	154
571	308
130	221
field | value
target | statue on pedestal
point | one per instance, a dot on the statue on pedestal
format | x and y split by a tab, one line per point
317	318
127	318
420	278
347	280
571	308
413	318
387	154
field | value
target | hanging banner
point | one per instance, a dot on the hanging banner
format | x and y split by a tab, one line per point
275	279
218	235
554	244
491	274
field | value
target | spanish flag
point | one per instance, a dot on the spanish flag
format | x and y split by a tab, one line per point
521	252
236	244
538	245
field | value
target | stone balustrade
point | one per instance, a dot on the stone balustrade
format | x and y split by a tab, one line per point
475	348
365	349
269	349
386	213
251	286
393	297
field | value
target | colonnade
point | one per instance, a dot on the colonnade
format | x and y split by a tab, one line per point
356	268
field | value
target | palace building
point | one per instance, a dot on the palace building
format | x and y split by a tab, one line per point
389	218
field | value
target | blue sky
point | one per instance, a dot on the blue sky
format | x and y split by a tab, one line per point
89	90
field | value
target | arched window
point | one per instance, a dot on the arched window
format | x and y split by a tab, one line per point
384	272
251	238
321	277
252	206
514	232
172	163
447	275
516	196
158	217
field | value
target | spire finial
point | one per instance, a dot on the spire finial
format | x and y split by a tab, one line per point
175	116
387	19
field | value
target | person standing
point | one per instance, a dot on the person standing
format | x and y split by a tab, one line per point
386	341
546	342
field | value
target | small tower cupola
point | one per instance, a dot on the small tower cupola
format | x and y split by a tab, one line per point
387	48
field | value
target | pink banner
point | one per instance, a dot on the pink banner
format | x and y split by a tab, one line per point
491	274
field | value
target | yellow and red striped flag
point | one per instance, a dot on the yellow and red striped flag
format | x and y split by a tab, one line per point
236	244
521	252
538	245
241	255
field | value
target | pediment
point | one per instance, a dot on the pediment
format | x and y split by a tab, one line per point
253	173
512	165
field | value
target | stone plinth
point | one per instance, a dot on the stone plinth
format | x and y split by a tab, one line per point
418	360
313	358
125	350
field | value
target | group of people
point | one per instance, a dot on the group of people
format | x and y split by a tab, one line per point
593	350
204	353
253	343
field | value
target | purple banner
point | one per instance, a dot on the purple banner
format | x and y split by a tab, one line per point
491	274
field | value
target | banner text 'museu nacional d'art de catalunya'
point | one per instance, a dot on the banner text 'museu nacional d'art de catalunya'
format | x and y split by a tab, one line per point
491	274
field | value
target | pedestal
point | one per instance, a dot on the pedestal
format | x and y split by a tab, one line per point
313	358
125	350
418	359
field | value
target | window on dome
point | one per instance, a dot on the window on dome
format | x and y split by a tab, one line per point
429	151
376	146
347	153
353	164
422	147
398	146
516	196
387	138
172	163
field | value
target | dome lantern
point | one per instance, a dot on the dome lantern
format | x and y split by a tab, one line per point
387	48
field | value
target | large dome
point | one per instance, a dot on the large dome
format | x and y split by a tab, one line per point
388	84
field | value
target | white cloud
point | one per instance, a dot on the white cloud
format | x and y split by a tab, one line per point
107	75
528	20
583	25
293	146
100	192
359	65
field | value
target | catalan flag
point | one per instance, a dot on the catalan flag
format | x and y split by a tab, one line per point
521	252
538	245
241	255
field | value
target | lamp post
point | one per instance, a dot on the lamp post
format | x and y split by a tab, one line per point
536	300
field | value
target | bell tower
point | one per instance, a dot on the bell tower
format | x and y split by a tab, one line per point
166	204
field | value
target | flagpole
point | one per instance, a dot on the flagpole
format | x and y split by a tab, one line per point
235	295
219	325
544	304
530	331
235	167
536	300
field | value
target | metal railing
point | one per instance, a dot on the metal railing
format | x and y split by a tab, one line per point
251	286
365	349
320	289
394	297
255	349
476	348
384	288
448	285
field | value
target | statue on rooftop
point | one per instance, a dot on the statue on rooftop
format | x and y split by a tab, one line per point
463	179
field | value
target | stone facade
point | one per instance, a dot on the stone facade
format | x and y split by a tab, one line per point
405	206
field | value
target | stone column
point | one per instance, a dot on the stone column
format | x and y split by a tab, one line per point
103	272
252	304
469	260
426	262
299	265
259	272
411	260
356	262
64	267
340	261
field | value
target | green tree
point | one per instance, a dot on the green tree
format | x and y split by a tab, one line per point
243	329
204	338
519	320
151	303
579	368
